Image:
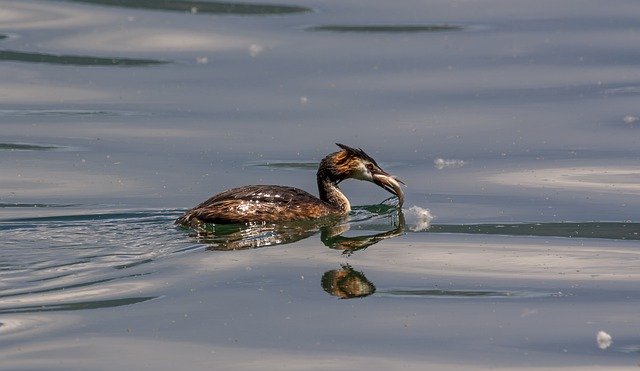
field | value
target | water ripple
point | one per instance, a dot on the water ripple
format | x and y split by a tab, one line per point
72	262
76	306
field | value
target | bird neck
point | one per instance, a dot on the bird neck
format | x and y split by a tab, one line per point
331	194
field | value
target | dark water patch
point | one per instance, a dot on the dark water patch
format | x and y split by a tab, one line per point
26	147
44	279
75	60
2	36
481	294
386	28
66	265
64	112
209	7
132	264
34	205
283	165
96	304
605	230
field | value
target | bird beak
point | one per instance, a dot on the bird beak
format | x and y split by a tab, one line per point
390	183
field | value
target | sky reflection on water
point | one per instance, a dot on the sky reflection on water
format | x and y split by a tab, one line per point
530	106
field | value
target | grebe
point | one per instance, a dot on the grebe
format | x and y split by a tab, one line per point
272	203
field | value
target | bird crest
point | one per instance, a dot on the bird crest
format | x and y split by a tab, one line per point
357	152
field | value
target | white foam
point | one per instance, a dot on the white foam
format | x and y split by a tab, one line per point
604	340
630	119
441	163
255	49
423	218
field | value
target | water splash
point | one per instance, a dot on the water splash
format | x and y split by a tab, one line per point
604	340
423	218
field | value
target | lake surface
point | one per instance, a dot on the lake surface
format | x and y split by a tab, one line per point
515	125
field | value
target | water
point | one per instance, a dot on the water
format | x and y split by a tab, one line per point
513	125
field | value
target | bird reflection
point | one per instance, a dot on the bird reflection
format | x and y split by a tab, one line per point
347	283
242	237
251	236
333	237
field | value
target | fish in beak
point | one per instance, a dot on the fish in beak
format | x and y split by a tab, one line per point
390	183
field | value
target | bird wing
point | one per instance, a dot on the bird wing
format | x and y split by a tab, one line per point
267	203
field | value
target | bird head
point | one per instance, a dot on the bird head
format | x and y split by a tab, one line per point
355	163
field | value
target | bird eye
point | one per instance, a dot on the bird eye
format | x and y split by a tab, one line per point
370	167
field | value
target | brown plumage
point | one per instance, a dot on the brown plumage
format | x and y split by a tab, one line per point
272	203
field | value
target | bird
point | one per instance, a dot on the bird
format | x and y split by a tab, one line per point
275	203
